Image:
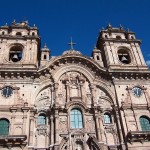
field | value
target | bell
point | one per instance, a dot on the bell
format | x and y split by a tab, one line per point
124	59
15	58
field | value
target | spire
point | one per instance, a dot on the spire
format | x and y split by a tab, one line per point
121	27
109	26
45	48
14	22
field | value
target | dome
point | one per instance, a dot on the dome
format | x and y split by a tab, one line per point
71	52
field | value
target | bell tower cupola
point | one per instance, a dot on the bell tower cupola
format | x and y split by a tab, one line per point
121	49
19	45
45	55
97	56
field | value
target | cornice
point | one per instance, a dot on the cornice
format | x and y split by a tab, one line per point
130	76
78	59
120	40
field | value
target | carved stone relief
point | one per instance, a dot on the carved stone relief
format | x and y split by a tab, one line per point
90	125
73	84
103	99
63	124
42	130
78	141
43	99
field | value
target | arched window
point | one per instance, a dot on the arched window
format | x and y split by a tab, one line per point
33	33
4	126
98	57
76	118
45	57
145	123
41	119
107	118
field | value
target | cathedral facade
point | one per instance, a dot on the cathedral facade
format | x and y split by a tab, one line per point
73	102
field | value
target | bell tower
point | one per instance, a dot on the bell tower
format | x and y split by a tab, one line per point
45	55
121	49
97	56
19	45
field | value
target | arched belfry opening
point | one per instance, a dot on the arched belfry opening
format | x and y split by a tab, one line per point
15	53
124	56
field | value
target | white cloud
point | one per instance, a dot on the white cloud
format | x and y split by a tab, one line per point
148	62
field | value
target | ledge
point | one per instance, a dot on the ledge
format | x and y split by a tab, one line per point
138	136
13	140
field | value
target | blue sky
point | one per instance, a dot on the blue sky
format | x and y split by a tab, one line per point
58	20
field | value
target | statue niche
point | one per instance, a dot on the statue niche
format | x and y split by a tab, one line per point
73	86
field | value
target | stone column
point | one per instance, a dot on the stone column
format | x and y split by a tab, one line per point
56	94
98	128
16	97
31	131
13	110
67	91
56	127
52	94
81	88
120	130
25	110
93	90
52	130
102	136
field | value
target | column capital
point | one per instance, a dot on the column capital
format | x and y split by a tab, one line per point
56	85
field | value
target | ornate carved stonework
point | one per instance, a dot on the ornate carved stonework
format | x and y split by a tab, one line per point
63	124
42	130
90	124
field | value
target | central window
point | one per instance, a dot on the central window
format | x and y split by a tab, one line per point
41	119
76	120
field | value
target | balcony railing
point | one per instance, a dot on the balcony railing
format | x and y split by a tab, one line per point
138	136
12	140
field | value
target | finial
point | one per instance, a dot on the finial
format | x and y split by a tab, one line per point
6	24
14	21
121	27
45	46
128	29
71	44
34	25
102	28
109	25
26	22
95	46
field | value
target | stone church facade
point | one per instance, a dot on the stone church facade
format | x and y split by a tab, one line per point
73	102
